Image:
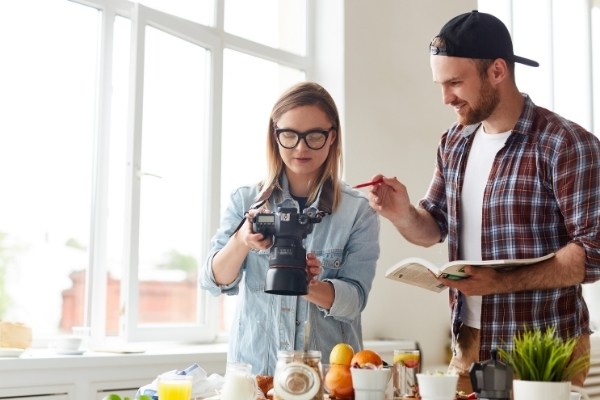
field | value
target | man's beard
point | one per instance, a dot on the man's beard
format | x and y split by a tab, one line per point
488	101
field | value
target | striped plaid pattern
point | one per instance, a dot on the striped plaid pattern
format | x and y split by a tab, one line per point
542	193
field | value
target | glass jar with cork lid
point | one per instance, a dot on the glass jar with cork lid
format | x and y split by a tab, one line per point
298	376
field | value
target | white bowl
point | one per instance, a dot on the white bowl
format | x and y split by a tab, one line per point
437	386
370	380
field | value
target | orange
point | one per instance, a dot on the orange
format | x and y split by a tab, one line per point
338	382
341	354
364	357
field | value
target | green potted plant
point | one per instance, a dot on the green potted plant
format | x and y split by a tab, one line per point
542	361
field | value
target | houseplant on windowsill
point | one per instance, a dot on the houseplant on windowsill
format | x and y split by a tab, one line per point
543	360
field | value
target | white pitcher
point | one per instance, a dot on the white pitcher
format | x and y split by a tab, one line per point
239	384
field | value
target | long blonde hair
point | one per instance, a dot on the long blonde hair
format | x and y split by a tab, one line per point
305	94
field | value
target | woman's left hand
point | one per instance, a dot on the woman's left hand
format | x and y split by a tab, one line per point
313	267
320	292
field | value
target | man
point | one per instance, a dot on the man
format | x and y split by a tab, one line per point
512	180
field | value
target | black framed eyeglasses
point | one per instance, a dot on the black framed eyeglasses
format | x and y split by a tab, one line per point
315	139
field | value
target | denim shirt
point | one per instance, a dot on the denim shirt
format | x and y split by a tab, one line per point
347	244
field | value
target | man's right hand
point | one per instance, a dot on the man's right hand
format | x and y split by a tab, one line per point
390	198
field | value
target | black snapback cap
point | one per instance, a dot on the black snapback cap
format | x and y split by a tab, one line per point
477	35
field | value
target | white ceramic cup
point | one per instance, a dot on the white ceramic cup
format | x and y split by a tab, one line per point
437	386
84	333
370	384
67	344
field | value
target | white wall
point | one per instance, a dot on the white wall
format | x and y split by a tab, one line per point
393	120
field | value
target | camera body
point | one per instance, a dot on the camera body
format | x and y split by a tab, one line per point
287	258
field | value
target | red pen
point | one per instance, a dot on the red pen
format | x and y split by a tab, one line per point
375	182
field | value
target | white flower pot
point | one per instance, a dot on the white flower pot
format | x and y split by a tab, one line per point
535	390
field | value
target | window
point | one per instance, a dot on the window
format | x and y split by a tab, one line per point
560	33
124	127
46	156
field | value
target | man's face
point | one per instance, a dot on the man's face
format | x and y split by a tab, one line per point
472	96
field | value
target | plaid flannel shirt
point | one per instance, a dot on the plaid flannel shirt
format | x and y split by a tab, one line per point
542	193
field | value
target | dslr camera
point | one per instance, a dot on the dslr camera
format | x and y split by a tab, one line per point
287	259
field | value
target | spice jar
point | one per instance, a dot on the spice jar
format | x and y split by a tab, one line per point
298	376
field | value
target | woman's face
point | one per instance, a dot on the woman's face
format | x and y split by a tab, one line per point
302	162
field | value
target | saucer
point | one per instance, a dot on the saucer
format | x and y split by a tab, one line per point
10	352
70	352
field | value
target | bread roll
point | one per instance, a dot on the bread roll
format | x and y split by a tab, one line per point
265	383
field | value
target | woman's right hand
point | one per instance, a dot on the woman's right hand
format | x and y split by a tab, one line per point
253	240
227	262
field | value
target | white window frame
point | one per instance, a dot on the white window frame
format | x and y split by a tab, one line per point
215	40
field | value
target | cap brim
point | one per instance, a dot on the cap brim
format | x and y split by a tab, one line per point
526	61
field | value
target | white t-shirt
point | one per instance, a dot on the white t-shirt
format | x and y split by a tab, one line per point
481	158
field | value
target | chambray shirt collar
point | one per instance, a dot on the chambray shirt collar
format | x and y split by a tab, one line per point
324	202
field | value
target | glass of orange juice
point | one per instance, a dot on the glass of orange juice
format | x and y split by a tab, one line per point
174	387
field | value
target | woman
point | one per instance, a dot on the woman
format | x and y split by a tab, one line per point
304	154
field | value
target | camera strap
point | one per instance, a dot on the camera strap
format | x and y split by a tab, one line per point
254	206
324	206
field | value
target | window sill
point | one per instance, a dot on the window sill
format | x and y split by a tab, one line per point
107	355
42	372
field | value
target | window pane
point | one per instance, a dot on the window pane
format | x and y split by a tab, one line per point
193	10
532	39
276	23
247	106
173	177
592	291
47	125
572	79
117	170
